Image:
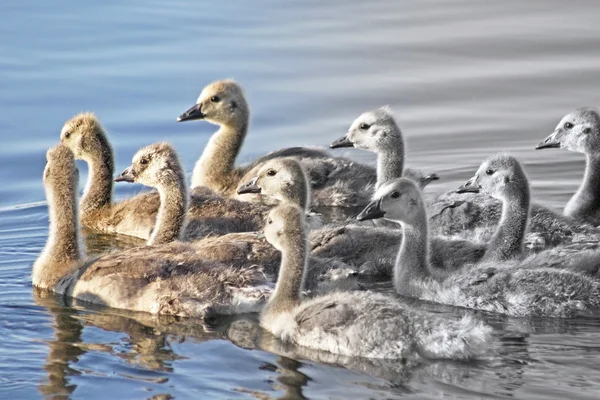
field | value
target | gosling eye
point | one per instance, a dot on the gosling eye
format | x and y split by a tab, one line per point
269	221
395	195
144	161
489	171
364	126
67	135
271	172
215	99
568	125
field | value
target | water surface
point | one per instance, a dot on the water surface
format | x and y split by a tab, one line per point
465	78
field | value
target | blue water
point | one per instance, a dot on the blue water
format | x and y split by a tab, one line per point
465	78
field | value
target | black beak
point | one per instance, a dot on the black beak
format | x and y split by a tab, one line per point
195	112
549	143
249	187
470	187
371	211
126	176
342	142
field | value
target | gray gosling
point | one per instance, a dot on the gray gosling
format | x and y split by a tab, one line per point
579	131
168	279
511	287
378	132
223	103
357	324
284	181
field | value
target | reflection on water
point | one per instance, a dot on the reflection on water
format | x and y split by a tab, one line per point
466	78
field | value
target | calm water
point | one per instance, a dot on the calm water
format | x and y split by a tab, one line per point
465	78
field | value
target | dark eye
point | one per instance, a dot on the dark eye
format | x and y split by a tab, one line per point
215	99
395	195
271	172
364	126
269	221
568	125
67	135
489	171
144	161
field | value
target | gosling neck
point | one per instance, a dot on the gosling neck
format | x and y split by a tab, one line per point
585	204
217	162
507	241
296	194
390	162
170	220
412	263
291	275
63	249
98	190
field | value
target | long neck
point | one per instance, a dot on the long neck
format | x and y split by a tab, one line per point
412	264
507	241
98	190
586	202
291	276
296	194
63	248
390	163
214	167
170	221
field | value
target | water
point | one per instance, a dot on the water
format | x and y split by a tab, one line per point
465	78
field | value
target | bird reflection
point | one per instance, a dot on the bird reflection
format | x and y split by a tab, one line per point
63	349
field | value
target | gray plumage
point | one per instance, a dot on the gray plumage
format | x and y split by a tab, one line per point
579	131
360	324
511	287
334	181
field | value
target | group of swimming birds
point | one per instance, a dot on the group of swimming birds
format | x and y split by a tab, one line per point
243	239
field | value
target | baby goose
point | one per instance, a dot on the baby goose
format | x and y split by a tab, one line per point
503	178
158	166
87	139
169	279
334	180
359	324
208	213
283	180
579	131
513	288
377	131
475	216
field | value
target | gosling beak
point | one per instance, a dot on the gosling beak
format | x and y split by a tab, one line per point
195	112
342	142
551	142
126	176
470	187
249	187
260	235
372	211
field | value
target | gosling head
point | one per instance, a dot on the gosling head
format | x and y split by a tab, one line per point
60	172
374	131
500	176
282	179
398	200
284	223
221	103
578	131
156	165
84	136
